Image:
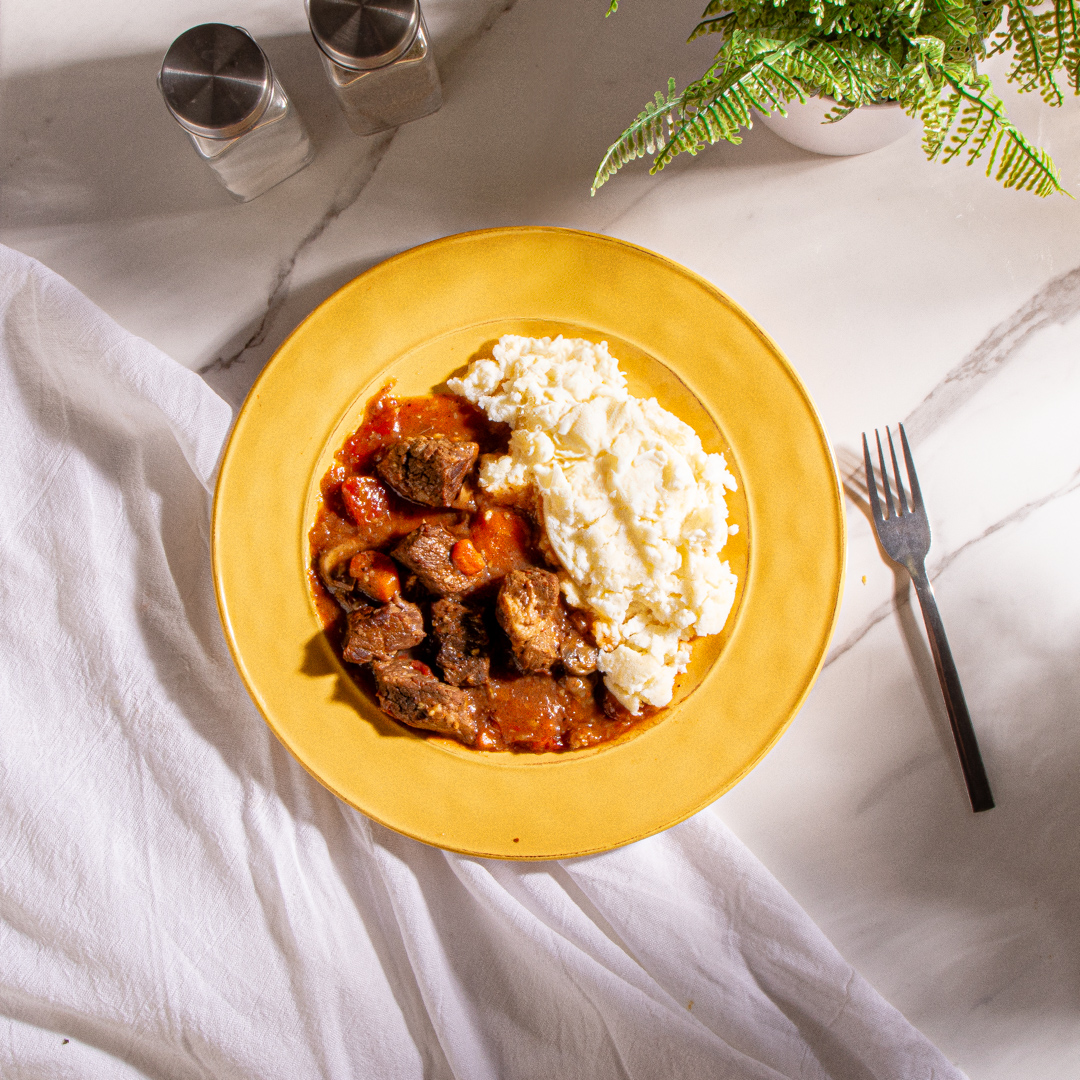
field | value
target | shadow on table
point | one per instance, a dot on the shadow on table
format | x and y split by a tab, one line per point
996	895
243	357
1011	874
496	154
534	94
909	621
94	141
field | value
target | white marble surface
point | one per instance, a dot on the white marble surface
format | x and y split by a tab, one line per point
898	289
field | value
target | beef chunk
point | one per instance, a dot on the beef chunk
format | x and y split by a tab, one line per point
577	655
528	610
463	643
428	469
530	712
426	552
409	692
579	689
376	633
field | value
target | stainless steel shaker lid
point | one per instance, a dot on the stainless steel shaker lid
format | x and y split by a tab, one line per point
216	81
363	34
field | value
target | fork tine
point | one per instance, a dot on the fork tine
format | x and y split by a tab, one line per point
896	473
913	479
871	482
885	476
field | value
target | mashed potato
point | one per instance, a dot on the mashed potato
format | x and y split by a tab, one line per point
634	507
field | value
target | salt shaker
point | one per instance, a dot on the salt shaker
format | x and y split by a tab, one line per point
219	86
378	59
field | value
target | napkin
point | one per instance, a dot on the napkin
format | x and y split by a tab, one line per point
178	898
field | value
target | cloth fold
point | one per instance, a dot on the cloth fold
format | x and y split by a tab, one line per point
178	898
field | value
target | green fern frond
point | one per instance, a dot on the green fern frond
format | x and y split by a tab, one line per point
938	117
959	15
837	113
1032	39
854	70
922	54
1067	27
980	123
642	137
717	107
929	48
716	24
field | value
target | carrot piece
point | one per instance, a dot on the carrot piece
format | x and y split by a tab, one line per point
466	558
376	575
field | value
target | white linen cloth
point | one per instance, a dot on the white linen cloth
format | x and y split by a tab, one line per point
178	898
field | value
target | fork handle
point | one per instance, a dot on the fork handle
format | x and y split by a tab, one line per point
966	745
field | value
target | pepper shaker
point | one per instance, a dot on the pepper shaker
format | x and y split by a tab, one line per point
378	59
220	88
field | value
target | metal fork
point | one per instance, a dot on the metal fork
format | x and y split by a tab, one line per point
905	536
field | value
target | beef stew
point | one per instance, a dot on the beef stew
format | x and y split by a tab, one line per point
445	598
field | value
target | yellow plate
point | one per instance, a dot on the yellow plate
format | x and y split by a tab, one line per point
419	317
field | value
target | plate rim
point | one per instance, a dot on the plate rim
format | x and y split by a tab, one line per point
836	491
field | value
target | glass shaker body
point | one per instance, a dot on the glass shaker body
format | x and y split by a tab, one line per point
392	95
220	88
264	155
378	59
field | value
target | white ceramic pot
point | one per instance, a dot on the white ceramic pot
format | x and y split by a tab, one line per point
867	128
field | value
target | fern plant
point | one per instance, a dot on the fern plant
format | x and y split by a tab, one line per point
923	54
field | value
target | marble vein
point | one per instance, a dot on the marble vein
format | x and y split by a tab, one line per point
1056	302
902	594
345	196
448	64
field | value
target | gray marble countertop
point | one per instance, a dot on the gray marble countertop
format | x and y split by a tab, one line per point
899	290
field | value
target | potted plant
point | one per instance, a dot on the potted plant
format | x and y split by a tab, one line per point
921	54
